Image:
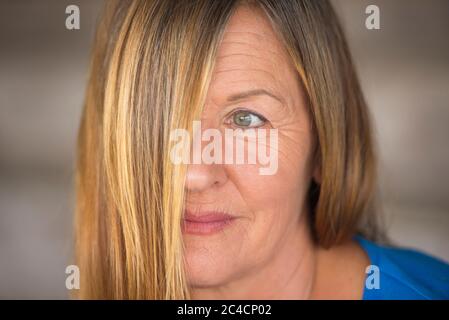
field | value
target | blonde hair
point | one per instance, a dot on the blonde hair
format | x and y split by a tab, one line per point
151	66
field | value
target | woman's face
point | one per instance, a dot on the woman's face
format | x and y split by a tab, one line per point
254	85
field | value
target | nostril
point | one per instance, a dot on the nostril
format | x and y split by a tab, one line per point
201	177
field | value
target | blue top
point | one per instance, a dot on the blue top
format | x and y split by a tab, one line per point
403	274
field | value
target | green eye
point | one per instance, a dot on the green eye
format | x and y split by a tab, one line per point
247	119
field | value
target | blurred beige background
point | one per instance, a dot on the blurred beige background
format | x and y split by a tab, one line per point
403	67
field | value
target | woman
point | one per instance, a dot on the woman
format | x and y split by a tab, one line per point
152	227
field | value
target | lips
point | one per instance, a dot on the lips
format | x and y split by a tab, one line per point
205	223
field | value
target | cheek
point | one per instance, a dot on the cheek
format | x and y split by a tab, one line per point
272	201
282	192
269	202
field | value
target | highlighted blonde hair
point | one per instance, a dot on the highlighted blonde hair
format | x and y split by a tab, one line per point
151	67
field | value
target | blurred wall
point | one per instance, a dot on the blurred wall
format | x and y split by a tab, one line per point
403	67
43	73
404	71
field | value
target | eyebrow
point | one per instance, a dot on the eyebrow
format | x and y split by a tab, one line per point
251	93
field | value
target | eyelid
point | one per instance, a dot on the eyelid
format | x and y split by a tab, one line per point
229	117
247	110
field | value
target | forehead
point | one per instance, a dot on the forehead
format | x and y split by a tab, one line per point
251	56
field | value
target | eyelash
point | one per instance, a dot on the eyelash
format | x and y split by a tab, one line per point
231	115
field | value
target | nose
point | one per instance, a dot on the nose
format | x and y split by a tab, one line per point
201	177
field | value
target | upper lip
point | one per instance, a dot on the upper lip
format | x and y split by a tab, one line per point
206	216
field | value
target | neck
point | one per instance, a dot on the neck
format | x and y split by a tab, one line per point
289	274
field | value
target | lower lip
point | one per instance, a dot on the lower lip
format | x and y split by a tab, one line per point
205	228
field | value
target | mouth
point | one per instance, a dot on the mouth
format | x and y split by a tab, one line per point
205	223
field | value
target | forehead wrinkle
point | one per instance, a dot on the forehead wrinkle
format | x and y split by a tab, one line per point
261	59
273	78
246	70
241	62
219	87
241	54
247	32
247	36
248	74
264	30
235	44
217	94
254	84
249	61
252	36
254	61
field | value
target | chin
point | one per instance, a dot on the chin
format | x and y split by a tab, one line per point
207	268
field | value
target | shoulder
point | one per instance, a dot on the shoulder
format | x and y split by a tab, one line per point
405	273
